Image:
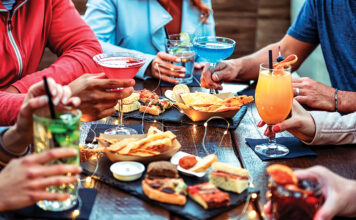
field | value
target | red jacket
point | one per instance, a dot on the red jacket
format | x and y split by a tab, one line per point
33	25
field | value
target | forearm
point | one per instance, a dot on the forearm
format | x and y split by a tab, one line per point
346	102
10	105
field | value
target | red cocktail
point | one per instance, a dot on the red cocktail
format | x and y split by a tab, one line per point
120	65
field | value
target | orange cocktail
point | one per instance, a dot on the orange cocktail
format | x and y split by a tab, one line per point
274	95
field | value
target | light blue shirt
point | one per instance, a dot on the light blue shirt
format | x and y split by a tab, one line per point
8	4
122	25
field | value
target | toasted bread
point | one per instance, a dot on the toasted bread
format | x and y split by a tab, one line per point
153	110
134	97
205	163
171	198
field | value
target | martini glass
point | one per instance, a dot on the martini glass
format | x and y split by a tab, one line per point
213	49
120	65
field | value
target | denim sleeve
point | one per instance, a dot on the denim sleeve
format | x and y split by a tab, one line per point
305	27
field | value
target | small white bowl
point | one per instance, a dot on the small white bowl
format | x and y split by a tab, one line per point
127	170
175	160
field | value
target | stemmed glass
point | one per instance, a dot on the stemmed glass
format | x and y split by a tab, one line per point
274	98
120	65
213	49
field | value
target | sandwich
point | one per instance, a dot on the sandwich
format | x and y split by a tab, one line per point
229	178
208	196
130	104
162	183
204	164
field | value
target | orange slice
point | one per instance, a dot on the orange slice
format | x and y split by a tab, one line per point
282	174
291	59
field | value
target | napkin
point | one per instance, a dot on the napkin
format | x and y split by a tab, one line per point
87	197
96	129
295	146
195	83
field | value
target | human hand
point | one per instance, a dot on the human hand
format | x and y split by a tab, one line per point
226	70
24	181
314	94
21	134
338	192
167	70
301	124
97	101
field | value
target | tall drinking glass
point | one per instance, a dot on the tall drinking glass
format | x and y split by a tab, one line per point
213	49
61	132
120	65
182	48
274	98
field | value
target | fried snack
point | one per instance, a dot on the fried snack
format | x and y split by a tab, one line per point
282	174
153	130
199	99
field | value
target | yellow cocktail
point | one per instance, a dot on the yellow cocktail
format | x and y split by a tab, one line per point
274	98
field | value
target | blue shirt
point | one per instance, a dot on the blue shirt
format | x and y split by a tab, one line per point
8	4
332	23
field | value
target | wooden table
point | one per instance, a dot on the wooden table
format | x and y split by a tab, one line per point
111	203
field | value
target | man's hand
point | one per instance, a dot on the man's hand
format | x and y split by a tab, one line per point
24	181
97	99
314	94
226	70
167	70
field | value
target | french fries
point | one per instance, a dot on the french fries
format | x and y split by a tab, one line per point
156	142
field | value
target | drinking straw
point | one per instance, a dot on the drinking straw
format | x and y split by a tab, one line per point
270	59
50	102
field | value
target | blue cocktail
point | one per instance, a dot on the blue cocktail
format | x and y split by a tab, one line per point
213	49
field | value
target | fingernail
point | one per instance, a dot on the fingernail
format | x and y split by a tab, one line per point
276	128
176	82
64	100
76	101
43	100
74	151
54	92
183	69
178	60
260	124
216	77
56	101
182	75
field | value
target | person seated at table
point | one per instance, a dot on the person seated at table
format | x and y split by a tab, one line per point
145	25
330	23
318	127
339	193
25	178
30	26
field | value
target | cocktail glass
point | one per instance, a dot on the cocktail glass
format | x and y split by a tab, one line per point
295	202
179	45
120	65
213	49
273	98
61	132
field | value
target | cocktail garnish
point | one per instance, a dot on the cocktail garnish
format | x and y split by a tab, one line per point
282	174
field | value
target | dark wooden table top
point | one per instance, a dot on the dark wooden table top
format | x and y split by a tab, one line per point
111	203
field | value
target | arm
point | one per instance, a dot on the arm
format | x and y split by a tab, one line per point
101	17
74	43
332	128
10	104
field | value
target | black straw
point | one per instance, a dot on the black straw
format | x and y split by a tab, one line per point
270	59
50	102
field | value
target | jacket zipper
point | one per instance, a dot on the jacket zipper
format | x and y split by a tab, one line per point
12	40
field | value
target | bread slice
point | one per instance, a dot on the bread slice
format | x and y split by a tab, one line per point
130	107
204	164
157	195
229	178
153	110
134	97
208	196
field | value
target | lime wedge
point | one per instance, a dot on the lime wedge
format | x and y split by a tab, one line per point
185	38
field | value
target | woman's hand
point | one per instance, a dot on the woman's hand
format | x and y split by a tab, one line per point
24	181
339	193
167	70
300	124
21	134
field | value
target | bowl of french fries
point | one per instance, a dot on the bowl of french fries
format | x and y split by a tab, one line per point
200	106
155	145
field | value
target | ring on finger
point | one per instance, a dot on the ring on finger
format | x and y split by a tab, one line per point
297	91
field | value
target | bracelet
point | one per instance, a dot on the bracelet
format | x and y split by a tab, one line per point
3	148
335	98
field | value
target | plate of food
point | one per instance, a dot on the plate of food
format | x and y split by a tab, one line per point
200	106
155	145
192	165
